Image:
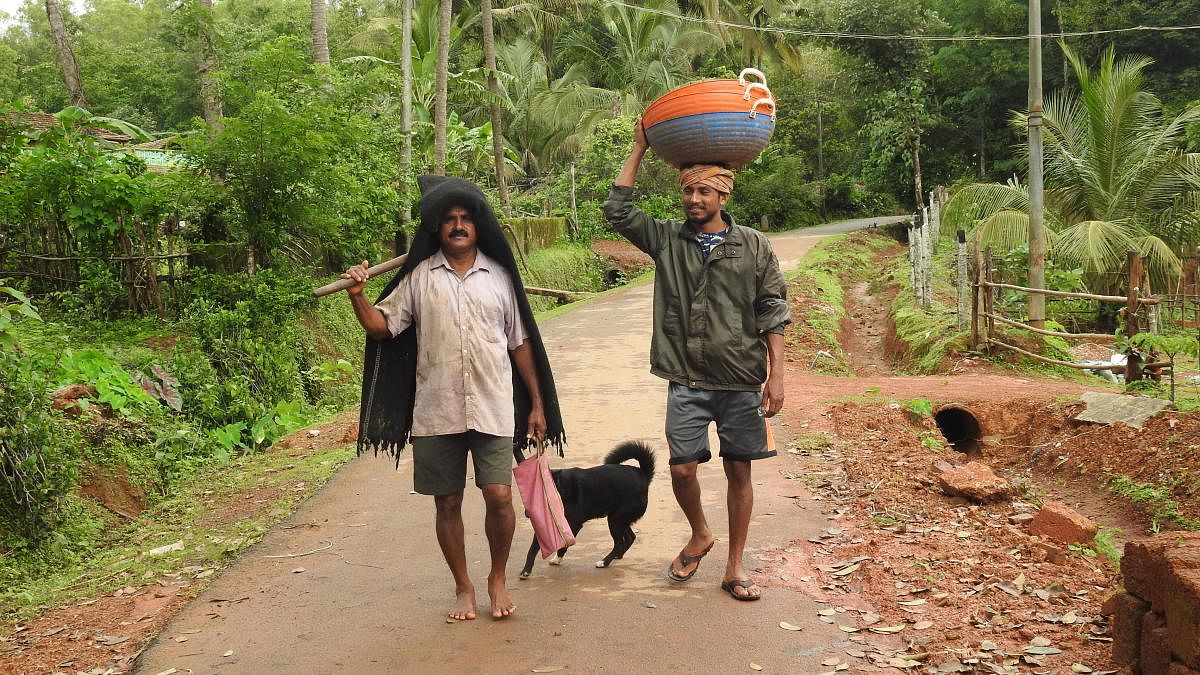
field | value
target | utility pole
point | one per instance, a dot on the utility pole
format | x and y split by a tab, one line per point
1037	225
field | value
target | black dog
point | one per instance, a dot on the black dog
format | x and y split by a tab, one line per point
613	490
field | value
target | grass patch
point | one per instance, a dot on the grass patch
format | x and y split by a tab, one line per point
570	267
812	441
110	554
1106	545
1158	498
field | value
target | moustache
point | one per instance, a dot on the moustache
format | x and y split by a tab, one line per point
456	233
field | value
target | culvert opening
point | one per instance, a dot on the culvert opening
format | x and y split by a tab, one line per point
960	428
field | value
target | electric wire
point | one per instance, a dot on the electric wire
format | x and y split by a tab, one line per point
796	32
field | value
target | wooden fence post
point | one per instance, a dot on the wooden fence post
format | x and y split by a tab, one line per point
989	326
961	268
976	289
930	243
912	258
1133	362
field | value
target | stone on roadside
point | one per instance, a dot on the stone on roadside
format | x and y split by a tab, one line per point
1020	518
974	481
1061	523
67	398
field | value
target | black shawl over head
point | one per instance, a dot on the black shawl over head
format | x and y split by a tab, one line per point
390	366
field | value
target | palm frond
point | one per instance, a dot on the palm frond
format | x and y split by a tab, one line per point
1097	246
1164	264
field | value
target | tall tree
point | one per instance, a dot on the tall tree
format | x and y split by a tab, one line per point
66	56
440	113
489	62
320	33
406	109
206	66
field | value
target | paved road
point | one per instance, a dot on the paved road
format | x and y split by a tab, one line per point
376	599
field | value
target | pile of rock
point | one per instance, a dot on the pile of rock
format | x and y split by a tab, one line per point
1156	621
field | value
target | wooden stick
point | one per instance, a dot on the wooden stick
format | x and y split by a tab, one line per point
1043	331
389	265
1068	294
568	296
1047	359
374	271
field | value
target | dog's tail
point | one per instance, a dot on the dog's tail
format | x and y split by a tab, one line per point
634	450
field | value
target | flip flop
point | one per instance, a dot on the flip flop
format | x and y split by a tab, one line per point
746	584
684	561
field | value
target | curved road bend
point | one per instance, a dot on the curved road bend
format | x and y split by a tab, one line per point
375	601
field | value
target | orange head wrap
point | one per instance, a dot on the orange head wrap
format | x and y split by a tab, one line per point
716	177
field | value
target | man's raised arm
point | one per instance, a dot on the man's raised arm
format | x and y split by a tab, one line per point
628	220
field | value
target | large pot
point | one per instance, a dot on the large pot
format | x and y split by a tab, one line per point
726	122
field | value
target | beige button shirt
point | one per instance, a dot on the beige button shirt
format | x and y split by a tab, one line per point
465	329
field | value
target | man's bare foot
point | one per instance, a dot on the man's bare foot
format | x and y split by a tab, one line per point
502	604
464	606
688	561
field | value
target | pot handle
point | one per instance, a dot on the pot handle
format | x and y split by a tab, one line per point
762	79
761	102
755	86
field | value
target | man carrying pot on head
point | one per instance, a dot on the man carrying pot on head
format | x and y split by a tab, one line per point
720	309
445	339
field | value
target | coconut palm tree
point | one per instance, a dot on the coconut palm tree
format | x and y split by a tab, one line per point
641	54
1117	178
442	75
549	116
489	62
320	33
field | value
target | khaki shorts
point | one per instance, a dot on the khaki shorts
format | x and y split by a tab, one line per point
440	462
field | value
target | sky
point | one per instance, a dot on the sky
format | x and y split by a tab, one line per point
11	7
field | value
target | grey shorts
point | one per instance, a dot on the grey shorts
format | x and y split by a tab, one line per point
741	426
440	462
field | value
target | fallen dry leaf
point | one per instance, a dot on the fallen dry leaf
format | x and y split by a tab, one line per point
755	666
548	669
787	626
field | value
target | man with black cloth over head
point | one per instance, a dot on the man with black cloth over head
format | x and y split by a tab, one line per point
455	364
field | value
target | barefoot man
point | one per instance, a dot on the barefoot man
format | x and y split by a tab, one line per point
720	308
444	340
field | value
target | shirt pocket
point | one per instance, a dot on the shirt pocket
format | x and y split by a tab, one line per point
488	316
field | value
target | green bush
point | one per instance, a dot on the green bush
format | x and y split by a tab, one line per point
775	190
38	466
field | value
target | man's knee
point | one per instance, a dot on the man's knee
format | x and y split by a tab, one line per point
737	471
684	472
448	505
497	496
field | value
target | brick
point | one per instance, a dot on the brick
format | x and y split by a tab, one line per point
1154	650
1147	563
1183	615
1126	612
1059	522
974	481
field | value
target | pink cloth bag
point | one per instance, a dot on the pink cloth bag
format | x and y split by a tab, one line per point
543	504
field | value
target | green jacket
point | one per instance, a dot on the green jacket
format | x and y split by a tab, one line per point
710	317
